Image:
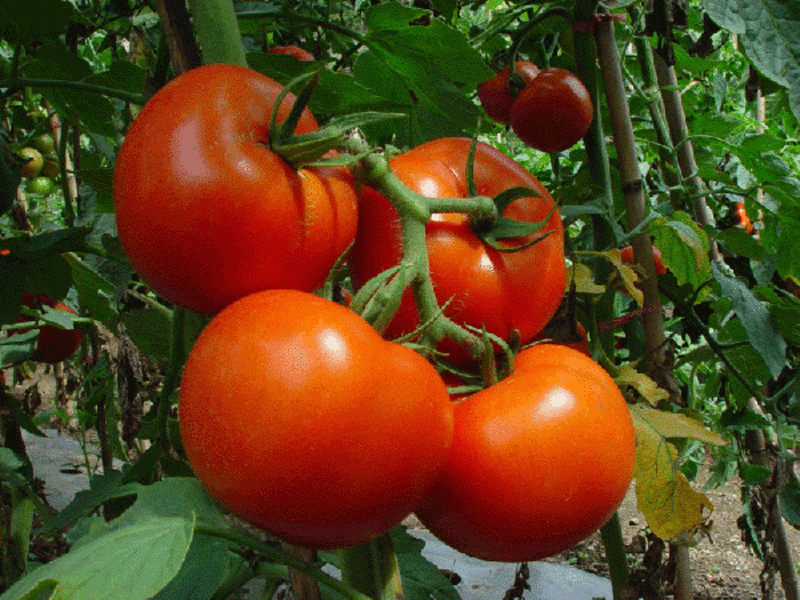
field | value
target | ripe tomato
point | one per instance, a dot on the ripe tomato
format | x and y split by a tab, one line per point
207	213
497	94
553	112
297	52
299	418
34	161
501	290
539	461
742	220
626	254
53	345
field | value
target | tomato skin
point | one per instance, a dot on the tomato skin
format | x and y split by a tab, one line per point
553	112
299	418
299	53
539	461
501	290
497	96
53	345
206	213
742	220
626	254
34	163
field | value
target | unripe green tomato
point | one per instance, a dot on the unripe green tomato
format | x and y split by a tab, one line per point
41	186
44	143
34	164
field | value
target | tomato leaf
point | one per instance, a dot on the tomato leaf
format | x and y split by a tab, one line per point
421	578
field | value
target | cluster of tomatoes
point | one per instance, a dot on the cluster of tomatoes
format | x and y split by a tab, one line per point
295	413
549	109
40	166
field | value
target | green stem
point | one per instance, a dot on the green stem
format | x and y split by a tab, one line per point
217	30
619	571
372	569
243	539
76	85
177	356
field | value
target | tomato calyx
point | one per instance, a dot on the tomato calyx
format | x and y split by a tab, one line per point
310	148
492	231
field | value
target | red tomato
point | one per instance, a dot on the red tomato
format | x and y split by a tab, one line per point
299	418
742	220
626	254
296	51
497	94
553	112
539	461
501	290
207	213
53	345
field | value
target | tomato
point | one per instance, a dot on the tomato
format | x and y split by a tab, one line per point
626	254
539	461
553	112
53	345
300	419
207	213
297	52
501	290
44	143
50	167
742	220
497	94
577	340
33	164
40	185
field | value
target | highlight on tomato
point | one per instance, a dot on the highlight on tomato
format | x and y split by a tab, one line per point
503	291
497	94
299	418
742	220
207	213
539	461
553	112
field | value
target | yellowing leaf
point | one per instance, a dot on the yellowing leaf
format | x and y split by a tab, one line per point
629	376
627	274
676	425
584	280
665	497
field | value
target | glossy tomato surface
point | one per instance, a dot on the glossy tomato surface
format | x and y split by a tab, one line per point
207	213
501	290
54	344
553	112
497	94
299	418
539	461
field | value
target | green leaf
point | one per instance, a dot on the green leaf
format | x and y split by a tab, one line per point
753	474
18	347
790	502
149	329
121	75
132	562
33	20
684	248
754	317
421	579
95	292
769	31
203	571
9	176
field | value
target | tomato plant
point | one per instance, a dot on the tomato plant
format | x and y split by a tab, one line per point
299	53
210	214
298	417
33	162
54	344
498	93
503	291
539	461
626	254
552	112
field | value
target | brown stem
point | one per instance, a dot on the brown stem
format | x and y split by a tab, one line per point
183	50
632	185
304	586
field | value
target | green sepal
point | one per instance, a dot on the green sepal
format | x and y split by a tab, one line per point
504	228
